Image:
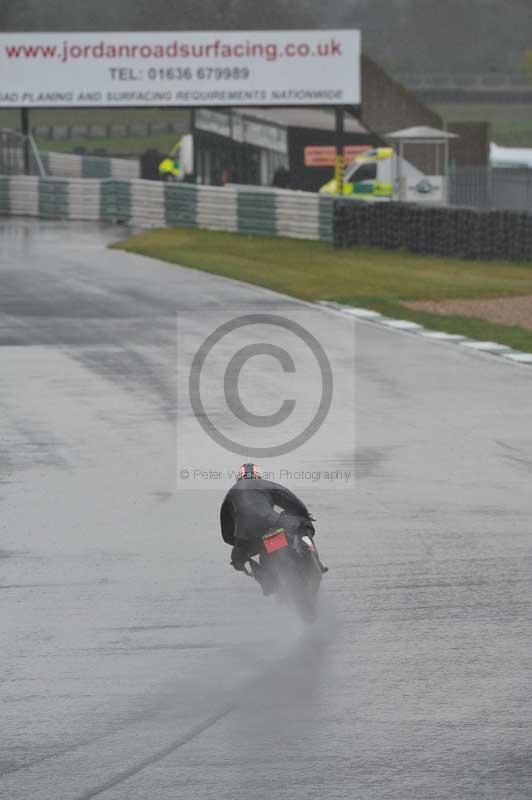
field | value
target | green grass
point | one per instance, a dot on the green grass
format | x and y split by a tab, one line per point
94	116
370	278
115	145
513	134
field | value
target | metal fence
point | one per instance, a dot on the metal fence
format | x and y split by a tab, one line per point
18	154
98	131
489	188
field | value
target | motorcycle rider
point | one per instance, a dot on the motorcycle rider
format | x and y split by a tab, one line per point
248	512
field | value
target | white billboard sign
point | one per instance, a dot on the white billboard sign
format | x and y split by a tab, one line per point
196	68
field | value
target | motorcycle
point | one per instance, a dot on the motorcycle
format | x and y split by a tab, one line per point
293	568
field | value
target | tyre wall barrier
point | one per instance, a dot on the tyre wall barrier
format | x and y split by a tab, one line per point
69	165
461	232
152	204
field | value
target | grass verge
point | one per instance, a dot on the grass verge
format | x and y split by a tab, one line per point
114	145
370	278
511	123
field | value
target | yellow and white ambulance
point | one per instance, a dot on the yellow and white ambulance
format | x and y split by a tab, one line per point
373	176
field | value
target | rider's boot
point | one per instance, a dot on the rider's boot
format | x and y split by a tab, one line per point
323	567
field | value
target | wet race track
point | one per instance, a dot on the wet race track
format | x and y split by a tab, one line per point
136	664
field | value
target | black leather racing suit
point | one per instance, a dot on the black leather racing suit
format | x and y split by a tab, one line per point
248	512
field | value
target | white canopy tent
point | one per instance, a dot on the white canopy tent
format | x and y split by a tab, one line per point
510	157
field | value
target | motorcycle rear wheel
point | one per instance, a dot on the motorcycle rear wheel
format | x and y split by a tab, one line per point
299	579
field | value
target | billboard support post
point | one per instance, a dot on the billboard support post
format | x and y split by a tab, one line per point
339	141
25	130
339	114
194	148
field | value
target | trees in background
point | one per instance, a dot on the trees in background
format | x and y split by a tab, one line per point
402	35
68	15
443	35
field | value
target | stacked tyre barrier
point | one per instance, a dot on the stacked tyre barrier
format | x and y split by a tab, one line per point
461	232
217	208
4	195
144	204
281	212
69	165
180	205
115	202
50	198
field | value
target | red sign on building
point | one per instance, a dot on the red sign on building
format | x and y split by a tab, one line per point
325	156
320	156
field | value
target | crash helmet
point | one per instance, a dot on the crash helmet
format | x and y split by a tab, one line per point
248	471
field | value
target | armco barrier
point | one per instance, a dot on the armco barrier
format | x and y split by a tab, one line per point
152	204
462	232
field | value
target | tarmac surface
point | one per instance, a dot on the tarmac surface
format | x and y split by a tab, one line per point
136	664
